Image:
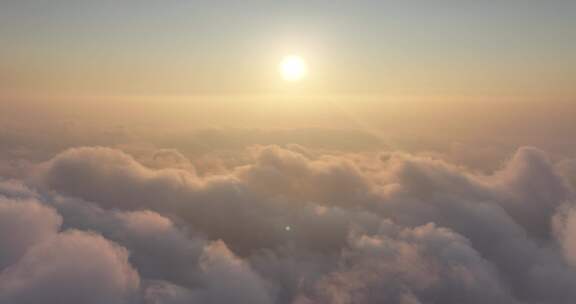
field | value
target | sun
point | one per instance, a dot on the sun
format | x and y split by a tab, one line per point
293	68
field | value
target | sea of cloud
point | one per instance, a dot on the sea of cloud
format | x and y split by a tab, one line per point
285	223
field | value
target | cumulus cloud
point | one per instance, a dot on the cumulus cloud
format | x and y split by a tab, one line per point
287	224
402	265
226	272
24	223
71	267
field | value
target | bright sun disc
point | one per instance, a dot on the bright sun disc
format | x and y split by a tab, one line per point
293	68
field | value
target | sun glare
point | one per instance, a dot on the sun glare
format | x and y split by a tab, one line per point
293	68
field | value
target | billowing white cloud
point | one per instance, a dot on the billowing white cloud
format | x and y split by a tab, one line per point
71	267
288	225
24	223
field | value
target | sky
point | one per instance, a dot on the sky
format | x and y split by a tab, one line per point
151	152
177	47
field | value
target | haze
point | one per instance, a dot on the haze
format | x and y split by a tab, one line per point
165	152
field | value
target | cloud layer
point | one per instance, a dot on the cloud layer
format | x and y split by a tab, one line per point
287	224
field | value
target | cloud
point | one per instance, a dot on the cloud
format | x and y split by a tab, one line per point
288	224
226	278
23	223
225	271
71	267
400	265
